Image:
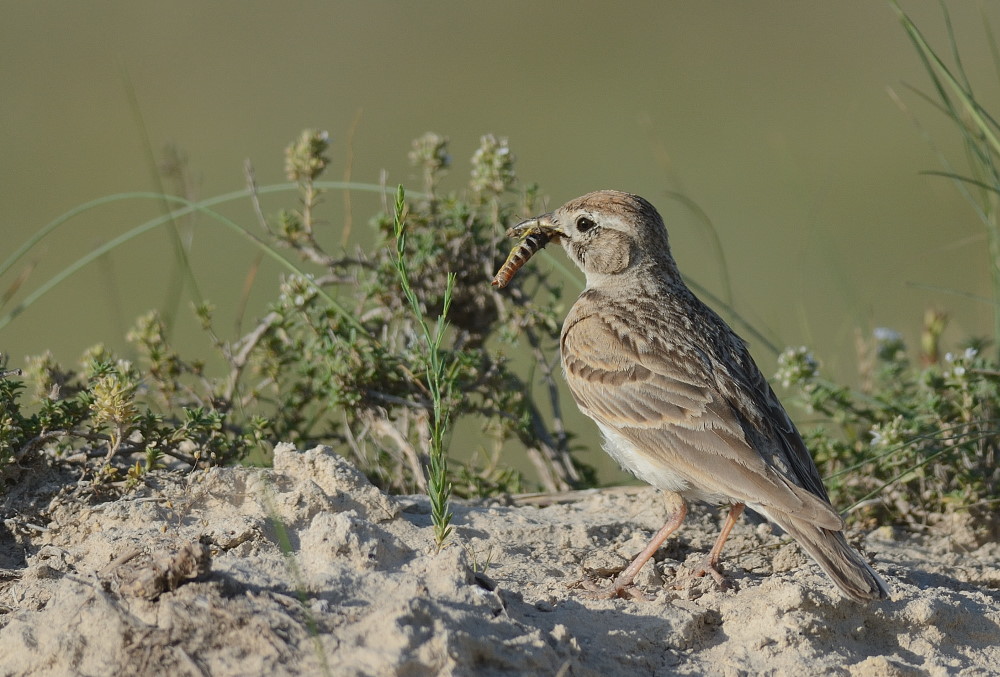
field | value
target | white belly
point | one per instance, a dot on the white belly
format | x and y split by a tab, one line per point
648	470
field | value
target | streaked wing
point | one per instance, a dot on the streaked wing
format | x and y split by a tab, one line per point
780	433
667	403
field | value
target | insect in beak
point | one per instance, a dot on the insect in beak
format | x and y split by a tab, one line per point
535	234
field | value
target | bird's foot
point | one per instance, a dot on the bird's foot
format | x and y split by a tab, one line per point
593	589
710	567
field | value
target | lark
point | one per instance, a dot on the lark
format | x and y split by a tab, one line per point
678	398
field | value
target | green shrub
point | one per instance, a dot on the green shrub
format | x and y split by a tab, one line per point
339	357
920	438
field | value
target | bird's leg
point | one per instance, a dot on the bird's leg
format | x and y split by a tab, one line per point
623	581
711	561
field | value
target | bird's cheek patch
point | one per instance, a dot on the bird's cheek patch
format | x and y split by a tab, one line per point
609	254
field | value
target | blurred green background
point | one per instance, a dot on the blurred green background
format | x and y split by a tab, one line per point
774	117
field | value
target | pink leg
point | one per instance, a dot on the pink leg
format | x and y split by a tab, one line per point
624	580
711	561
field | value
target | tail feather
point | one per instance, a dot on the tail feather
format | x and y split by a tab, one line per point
842	563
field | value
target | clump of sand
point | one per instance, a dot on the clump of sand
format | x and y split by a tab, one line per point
306	569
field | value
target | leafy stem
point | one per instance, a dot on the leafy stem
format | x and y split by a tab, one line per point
436	371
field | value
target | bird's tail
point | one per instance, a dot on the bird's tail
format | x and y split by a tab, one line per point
842	563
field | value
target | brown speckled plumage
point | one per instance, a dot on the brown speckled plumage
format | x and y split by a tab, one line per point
675	392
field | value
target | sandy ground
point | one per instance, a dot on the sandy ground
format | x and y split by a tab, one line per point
189	577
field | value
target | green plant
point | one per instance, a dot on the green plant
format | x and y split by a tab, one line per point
363	383
922	437
440	377
335	359
99	413
978	131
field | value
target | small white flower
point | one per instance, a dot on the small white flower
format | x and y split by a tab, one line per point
885	335
970	353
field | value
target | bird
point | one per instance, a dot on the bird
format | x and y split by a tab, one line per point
677	396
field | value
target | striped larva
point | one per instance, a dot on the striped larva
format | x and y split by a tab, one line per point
519	255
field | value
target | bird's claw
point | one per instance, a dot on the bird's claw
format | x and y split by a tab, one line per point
592	589
709	567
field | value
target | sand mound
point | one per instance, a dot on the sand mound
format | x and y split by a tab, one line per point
190	577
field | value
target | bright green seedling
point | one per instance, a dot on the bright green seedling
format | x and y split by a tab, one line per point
439	385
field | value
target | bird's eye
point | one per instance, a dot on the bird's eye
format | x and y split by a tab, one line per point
584	223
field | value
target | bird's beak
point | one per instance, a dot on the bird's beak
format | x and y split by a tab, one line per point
544	224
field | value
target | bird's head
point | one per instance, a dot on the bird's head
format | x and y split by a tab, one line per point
607	233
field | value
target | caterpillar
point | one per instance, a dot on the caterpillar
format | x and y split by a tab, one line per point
519	255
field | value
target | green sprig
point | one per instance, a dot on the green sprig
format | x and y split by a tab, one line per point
436	372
